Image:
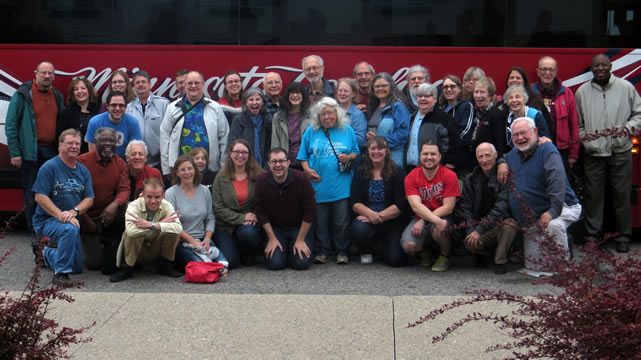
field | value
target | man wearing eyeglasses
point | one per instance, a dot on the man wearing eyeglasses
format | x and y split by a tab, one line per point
193	121
363	74
540	183
63	192
318	87
31	127
285	207
272	86
416	75
561	105
126	126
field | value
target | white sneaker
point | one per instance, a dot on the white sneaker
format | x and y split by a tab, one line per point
367	259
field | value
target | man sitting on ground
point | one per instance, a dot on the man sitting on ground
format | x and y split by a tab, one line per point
152	231
485	200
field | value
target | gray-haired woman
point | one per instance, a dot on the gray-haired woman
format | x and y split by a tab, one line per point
327	147
254	124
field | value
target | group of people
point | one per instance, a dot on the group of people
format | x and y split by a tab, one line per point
303	174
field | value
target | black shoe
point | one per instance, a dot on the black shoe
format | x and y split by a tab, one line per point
249	260
623	247
61	279
122	274
500	269
166	267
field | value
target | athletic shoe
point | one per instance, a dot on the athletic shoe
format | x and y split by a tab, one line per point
342	260
321	259
367	259
442	264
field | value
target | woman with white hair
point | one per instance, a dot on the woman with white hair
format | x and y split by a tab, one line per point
516	98
428	123
254	124
327	149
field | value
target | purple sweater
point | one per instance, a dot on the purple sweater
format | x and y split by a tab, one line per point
286	204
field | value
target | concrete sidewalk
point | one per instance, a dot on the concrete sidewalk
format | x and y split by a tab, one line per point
223	326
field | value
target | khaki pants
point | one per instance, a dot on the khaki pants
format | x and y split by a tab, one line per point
137	250
500	237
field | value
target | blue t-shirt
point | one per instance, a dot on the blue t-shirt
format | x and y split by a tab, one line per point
315	148
65	186
126	130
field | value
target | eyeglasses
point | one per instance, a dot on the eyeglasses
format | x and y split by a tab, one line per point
361	74
547	70
312	68
233	81
45	73
72	143
521	133
240	152
118	82
273	82
447	87
194	83
381	86
417	78
118	105
278	161
327	113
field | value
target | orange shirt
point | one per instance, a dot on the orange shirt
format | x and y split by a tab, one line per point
242	190
45	110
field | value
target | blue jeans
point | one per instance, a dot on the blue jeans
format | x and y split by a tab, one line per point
287	237
185	255
365	235
67	257
28	174
386	127
244	240
331	223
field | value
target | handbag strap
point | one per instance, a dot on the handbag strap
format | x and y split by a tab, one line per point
326	132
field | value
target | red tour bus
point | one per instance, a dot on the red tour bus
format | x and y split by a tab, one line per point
256	37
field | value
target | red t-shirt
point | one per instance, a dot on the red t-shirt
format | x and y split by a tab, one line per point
242	190
432	192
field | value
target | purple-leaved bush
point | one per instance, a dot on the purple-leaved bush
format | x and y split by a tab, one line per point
25	331
596	315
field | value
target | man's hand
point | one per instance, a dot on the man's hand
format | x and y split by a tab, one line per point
473	239
300	248
139	222
544	139
370	135
171	217
502	172
313	175
545	219
571	162
16	161
67	216
109	213
272	244
362	107
418	227
440	226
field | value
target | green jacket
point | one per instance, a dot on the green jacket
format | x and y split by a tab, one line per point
20	127
228	212
280	132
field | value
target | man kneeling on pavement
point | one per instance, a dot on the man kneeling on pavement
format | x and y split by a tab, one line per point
152	232
485	202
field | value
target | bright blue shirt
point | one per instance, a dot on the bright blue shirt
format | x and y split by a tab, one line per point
126	130
315	149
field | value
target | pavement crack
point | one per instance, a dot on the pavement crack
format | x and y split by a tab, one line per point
394	327
96	329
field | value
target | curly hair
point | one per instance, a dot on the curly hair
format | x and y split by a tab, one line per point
341	118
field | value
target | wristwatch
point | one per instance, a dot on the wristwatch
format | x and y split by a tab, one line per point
77	211
153	225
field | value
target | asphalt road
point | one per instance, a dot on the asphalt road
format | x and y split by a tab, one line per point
328	279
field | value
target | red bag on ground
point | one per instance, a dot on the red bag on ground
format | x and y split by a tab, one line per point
203	272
